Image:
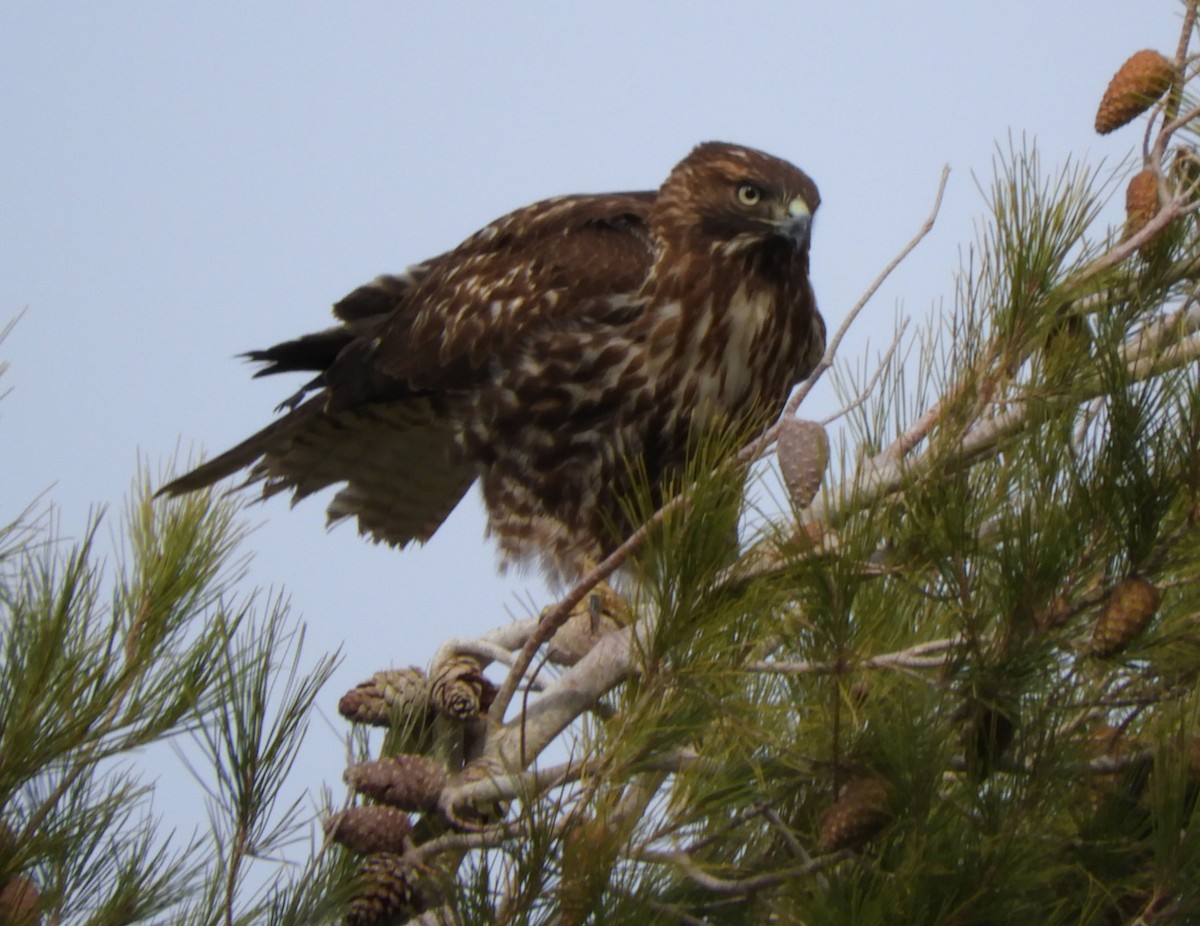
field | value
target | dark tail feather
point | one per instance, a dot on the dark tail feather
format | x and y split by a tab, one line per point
244	455
311	352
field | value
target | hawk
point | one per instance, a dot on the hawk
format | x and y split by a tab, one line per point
551	355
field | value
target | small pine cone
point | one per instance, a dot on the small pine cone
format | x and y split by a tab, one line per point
1136	86
861	811
988	734
1130	606
19	902
409	782
459	689
369	829
1055	614
386	696
803	450
1185	172
589	851
1141	201
386	892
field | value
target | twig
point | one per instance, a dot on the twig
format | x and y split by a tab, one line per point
755	449
482	649
915	657
1172	210
831	351
514	785
1175	94
486	838
742	886
882	475
556	616
869	388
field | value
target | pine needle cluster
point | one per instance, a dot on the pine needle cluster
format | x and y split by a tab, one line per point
101	666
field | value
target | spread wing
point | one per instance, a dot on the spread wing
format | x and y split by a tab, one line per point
393	380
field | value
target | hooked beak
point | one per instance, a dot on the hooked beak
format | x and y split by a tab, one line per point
796	222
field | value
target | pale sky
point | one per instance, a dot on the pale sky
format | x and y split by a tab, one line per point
182	182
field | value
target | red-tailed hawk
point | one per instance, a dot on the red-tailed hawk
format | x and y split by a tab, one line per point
549	354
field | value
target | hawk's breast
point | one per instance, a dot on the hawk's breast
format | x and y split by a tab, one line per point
735	355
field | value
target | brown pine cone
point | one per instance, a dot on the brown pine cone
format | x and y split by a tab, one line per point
459	689
409	782
369	829
1054	614
1141	201
589	851
860	812
18	902
386	892
386	696
988	733
1136	86
1129	608
803	451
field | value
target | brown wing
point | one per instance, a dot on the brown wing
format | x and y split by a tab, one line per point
536	264
391	378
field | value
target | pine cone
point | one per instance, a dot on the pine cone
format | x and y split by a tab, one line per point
1141	201
386	892
459	689
411	783
1130	606
1054	614
387	695
861	811
988	734
18	902
1136	86
369	829
803	450
589	851
1185	172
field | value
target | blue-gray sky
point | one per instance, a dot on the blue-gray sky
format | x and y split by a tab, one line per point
182	182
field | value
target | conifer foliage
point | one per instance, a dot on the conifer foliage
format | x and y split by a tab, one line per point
99	666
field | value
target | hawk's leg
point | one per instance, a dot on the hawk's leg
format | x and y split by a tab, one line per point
601	611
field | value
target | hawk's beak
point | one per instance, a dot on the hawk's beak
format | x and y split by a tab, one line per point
796	222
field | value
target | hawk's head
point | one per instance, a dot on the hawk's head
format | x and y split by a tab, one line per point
736	198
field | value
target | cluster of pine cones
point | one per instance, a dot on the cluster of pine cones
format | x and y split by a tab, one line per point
439	713
1137	86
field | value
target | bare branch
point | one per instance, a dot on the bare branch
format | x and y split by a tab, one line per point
919	656
1144	357
743	886
869	388
1172	210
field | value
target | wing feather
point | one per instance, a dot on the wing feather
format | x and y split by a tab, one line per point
385	416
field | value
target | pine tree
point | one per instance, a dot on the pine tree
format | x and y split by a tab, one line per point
99	664
956	682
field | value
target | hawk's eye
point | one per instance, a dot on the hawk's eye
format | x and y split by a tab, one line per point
749	195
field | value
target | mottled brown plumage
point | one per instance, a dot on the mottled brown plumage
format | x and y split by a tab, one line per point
547	353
